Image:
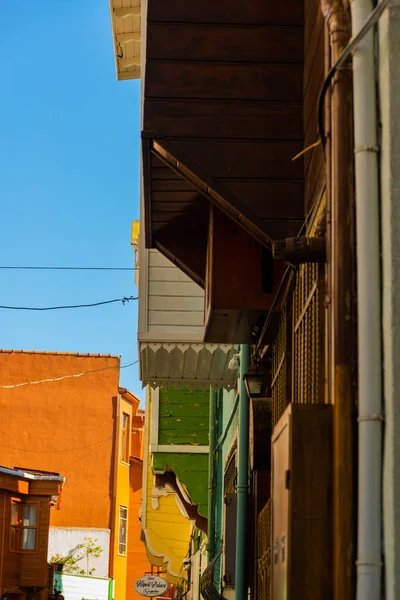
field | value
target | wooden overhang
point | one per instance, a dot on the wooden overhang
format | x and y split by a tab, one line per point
126	30
222	120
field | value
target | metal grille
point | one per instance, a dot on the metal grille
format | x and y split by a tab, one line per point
308	335
281	368
230	475
264	553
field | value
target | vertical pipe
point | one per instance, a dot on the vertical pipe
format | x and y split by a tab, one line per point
369	560
211	447
242	479
341	254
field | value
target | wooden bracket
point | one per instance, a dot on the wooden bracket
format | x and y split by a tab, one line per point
300	250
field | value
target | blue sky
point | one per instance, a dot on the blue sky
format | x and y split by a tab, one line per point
69	179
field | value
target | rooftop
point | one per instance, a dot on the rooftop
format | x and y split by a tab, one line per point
77	354
32	475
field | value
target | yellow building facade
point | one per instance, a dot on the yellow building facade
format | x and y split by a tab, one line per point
121	497
166	530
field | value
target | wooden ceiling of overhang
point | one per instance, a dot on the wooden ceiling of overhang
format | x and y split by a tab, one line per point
223	118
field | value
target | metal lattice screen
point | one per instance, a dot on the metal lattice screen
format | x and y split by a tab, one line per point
230	475
281	366
264	553
308	335
297	353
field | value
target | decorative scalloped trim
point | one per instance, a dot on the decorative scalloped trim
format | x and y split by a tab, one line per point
149	354
191	384
155	346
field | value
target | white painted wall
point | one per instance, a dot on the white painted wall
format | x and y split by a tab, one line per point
63	540
78	587
389	88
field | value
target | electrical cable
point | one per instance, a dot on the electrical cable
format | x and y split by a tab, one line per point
7	387
62	469
53	451
26	268
122	300
351	46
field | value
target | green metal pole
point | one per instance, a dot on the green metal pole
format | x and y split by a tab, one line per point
212	441
242	479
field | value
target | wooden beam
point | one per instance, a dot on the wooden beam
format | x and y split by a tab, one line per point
298	250
132	11
134	36
211	189
125	63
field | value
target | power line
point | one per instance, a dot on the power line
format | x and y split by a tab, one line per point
26	268
62	469
58	450
123	300
7	387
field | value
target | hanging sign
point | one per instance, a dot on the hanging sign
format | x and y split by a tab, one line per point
151	586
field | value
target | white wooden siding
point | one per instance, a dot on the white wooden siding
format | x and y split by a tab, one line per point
171	331
175	303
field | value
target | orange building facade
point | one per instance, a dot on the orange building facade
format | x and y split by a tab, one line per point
82	424
138	564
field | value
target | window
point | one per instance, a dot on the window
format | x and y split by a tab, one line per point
125	432
123	530
23	526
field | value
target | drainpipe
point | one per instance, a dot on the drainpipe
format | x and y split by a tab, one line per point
369	565
341	260
212	441
242	479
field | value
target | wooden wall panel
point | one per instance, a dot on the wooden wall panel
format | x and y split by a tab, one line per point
226	11
314	65
266	197
34	567
224	98
245	159
217	119
205	42
11	563
245	81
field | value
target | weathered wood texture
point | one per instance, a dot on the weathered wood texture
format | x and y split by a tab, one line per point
302	503
314	49
224	91
191	470
183	417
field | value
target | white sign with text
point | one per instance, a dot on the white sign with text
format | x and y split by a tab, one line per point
151	586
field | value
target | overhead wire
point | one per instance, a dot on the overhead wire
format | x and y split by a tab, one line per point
16	385
37	268
57	450
123	300
62	469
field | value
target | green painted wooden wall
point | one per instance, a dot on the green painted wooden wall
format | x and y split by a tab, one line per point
183	417
184	420
192	471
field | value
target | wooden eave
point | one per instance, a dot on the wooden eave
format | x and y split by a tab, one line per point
126	30
35	487
222	120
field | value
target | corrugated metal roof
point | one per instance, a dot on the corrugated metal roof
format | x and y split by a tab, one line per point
126	27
